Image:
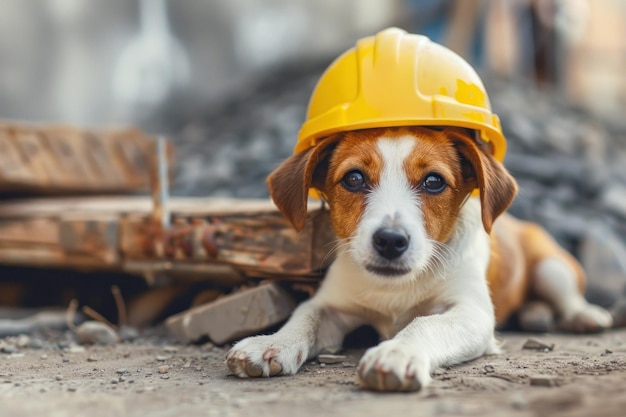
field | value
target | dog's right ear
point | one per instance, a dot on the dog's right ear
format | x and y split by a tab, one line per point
289	183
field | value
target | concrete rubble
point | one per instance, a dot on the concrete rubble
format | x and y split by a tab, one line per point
234	316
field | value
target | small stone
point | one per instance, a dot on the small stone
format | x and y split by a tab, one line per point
44	356
58	377
489	369
96	333
614	199
608	351
170	349
165	377
164	369
121	371
207	347
114	381
22	341
75	349
71	389
6	348
519	401
35	344
331	359
533	344
544	381
92	359
163	358
65	360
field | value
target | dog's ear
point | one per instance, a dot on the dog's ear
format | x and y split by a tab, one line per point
289	183
496	186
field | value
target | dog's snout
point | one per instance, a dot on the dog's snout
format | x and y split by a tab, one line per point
390	243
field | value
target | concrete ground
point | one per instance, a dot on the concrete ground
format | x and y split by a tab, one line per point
581	376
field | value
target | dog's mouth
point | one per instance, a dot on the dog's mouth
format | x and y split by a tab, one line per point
387	270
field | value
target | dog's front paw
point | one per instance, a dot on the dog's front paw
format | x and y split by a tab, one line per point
393	366
588	318
265	356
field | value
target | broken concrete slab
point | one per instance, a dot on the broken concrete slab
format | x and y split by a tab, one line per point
234	316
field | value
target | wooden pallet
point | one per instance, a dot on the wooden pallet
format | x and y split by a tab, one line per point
204	238
65	160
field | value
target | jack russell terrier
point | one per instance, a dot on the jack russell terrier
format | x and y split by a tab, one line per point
431	264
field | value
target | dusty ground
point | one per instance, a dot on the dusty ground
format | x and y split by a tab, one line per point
156	379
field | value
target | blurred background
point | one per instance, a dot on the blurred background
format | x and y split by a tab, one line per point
229	80
155	62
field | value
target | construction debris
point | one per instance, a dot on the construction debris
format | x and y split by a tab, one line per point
227	242
64	160
545	381
331	359
226	239
234	316
99	332
34	321
533	344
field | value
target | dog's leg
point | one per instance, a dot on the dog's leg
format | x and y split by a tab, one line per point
313	326
555	281
404	363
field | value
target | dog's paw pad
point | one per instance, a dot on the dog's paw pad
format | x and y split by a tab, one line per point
263	356
589	319
393	366
250	365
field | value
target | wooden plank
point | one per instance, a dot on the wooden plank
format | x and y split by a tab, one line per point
63	160
183	206
251	237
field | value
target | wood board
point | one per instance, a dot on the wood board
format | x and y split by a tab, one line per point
248	237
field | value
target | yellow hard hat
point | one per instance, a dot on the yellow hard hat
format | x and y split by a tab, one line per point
399	79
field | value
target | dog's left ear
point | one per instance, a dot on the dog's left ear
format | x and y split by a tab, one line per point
289	183
497	187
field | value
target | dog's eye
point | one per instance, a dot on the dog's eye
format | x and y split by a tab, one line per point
353	181
434	183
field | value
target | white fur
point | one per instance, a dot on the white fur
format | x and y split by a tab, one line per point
437	315
555	282
394	203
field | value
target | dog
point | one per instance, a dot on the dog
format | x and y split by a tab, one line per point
426	255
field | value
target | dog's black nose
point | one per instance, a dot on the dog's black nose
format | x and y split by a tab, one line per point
390	243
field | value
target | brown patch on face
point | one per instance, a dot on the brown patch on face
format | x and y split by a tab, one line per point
356	151
433	153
